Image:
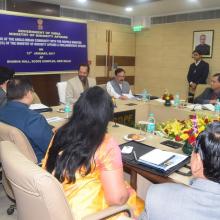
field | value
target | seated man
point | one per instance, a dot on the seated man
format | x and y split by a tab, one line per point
5	75
79	84
200	200
210	95
17	114
118	88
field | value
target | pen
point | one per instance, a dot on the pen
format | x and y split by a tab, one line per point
135	155
164	162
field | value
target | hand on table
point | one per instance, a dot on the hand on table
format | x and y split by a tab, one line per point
123	97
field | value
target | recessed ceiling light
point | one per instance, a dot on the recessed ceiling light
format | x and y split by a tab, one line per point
82	1
128	9
193	0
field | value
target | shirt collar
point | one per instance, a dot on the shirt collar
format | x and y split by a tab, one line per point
197	63
206	185
17	104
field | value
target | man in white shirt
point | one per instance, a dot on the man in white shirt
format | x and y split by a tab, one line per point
118	88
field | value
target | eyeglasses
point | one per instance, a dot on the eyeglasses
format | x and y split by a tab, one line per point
198	150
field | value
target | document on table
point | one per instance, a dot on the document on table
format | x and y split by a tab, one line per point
156	156
209	107
37	106
161	160
54	119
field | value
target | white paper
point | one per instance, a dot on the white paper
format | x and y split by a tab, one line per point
178	158
127	149
194	106
209	107
54	119
156	156
37	106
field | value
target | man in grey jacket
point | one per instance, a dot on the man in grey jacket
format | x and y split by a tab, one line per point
210	95
200	200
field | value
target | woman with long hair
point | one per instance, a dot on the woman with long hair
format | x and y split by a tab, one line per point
87	161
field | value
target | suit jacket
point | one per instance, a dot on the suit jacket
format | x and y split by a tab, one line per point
74	88
203	48
31	123
198	74
206	96
170	201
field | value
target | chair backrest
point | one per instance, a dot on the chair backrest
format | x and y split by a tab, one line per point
61	87
16	136
38	194
200	88
36	99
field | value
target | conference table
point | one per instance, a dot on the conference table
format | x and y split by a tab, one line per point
142	110
161	113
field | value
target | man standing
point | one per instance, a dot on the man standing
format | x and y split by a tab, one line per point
210	95
198	73
203	47
79	84
5	75
16	113
200	200
118	88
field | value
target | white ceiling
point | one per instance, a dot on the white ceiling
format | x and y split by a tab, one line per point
162	7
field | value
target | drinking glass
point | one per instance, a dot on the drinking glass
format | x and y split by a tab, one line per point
142	127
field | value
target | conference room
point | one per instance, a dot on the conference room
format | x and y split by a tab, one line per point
109	109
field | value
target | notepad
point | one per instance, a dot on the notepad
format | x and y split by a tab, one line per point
37	106
54	119
156	157
209	107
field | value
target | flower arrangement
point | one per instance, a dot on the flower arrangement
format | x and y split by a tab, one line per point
186	130
167	96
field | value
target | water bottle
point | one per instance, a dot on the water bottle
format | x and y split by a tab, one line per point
217	107
67	109
151	124
177	100
145	95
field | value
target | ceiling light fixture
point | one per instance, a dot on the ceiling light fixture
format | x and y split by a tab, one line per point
193	1
128	9
82	1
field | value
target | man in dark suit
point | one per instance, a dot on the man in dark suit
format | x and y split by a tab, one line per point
197	74
16	113
203	47
5	75
210	95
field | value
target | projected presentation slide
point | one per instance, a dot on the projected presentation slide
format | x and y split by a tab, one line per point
36	44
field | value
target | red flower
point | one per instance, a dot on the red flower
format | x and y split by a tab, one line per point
178	138
192	139
206	120
189	132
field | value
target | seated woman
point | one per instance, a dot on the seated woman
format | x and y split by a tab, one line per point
87	161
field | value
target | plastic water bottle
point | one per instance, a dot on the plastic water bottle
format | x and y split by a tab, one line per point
67	109
177	100
151	124
145	95
217	108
